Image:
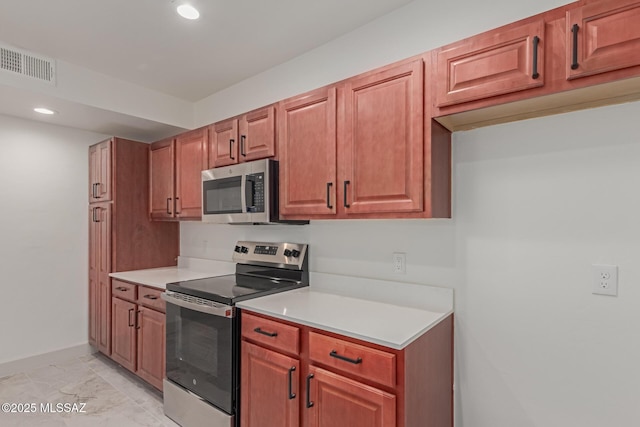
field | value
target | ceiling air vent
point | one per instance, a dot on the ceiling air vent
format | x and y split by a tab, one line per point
27	64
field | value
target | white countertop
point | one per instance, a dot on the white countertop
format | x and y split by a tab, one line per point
390	325
187	269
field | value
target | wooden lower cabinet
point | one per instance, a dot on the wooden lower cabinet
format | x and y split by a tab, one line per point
138	332
270	388
337	400
123	342
295	375
151	346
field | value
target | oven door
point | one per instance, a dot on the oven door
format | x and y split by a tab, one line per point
202	348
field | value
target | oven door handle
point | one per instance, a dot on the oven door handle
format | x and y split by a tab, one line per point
222	310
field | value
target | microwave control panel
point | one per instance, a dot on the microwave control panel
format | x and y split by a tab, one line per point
257	191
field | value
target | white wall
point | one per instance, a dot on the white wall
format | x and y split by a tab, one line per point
536	203
44	237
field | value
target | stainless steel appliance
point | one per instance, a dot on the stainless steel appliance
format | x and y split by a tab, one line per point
242	193
203	331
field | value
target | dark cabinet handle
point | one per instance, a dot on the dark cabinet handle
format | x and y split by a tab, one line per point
93	212
98	196
169	205
175	207
137	319
242	141
335	354
329	185
269	334
150	297
574	52
231	142
96	214
346	183
292	395
93	191
534	73
121	289
309	402
131	310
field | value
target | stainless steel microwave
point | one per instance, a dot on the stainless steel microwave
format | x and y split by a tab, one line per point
243	193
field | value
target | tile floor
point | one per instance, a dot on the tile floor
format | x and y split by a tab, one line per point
113	396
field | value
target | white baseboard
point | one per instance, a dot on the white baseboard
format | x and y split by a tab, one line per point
40	360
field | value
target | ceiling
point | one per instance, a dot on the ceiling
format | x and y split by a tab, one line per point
146	43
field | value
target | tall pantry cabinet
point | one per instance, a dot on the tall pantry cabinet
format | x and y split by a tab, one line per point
121	236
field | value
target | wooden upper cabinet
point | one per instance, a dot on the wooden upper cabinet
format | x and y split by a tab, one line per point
161	182
223	143
381	153
100	163
191	159
258	134
237	140
307	152
602	36
494	63
340	401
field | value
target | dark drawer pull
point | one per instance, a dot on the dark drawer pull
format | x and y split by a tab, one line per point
346	205
335	354
309	402
151	296
269	334
292	395
534	73
231	142
574	50
122	289
131	310
329	185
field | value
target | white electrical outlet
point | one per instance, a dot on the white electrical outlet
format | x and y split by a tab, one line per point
399	262
605	280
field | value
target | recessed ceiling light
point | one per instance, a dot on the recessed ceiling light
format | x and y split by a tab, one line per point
42	110
187	11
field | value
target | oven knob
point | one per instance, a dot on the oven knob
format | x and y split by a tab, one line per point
237	249
245	250
287	252
295	253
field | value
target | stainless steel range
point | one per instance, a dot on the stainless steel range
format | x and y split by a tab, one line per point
203	332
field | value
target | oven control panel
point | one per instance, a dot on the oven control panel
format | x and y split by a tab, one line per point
289	255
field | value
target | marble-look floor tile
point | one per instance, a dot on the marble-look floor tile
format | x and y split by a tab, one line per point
113	396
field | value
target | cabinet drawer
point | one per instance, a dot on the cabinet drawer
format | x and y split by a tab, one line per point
364	362
150	297
123	290
271	333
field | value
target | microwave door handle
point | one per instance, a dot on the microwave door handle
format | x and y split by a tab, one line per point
243	192
250	191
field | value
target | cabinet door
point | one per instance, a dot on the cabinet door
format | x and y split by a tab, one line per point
339	401
103	219
223	143
603	36
191	160
381	153
94	253
491	64
161	182
124	333
100	171
258	134
151	346
269	388
307	139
